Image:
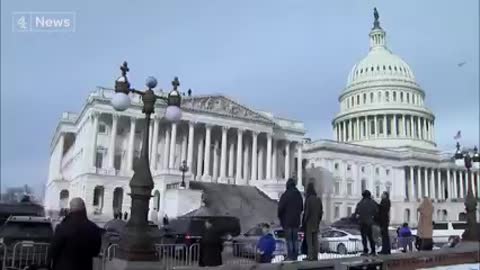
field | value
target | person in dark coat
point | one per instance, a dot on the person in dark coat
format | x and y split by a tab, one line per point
366	211
76	240
384	222
211	246
290	208
312	217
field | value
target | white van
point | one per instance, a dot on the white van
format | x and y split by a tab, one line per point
443	231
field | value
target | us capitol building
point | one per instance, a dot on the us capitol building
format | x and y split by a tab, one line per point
383	140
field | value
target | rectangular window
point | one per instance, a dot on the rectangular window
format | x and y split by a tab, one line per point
336	213
349	167
387	171
99	160
117	162
349	189
337	188
102	129
349	211
377	171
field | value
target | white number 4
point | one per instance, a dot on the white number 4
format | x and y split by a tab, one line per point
22	23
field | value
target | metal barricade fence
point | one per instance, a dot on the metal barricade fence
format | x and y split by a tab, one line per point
28	253
175	255
240	253
3	255
333	249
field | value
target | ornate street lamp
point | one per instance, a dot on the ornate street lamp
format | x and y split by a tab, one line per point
183	169
464	159
136	241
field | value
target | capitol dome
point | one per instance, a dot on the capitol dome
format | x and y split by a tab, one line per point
382	104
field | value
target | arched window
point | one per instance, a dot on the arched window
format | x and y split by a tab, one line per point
98	196
401	96
445	215
408	97
462	217
394	96
364	98
371	97
384	67
358	99
371	69
390	68
64	197
156	200
378	68
363	185
379	96
117	200
388	187
387	96
406	216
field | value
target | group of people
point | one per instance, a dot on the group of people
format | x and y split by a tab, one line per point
290	209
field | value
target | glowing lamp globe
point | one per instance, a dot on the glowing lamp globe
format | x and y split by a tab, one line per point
120	101
151	82
173	113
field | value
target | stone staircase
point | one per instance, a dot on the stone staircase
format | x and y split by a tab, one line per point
247	203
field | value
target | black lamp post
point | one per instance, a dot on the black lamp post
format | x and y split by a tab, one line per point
135	241
183	169
464	159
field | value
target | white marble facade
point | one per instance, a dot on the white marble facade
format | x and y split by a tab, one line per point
384	140
221	141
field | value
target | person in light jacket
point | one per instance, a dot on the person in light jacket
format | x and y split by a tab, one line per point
425	225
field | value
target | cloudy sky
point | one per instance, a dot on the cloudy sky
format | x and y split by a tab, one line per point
289	57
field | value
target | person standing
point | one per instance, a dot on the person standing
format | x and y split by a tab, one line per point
290	208
384	222
405	237
76	240
312	217
266	245
425	224
211	246
365	212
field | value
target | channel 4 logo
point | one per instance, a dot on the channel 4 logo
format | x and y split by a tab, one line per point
43	22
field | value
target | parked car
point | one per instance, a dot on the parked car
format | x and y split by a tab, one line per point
189	230
246	245
342	241
26	228
444	232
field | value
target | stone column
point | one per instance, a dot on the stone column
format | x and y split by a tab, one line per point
462	182
166	149
350	130
111	147
274	159
93	157
432	183
419	183
357	129
223	157
411	125
173	145
231	159
287	160
394	124
299	166
449	185
131	143
455	185
154	156
385	125
191	140
208	142
260	166
367	127
239	154
424	137
439	185
425	184
269	156
254	155
344	131
404	126
216	146
200	156
412	185
183	150
375	124
246	152
419	128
